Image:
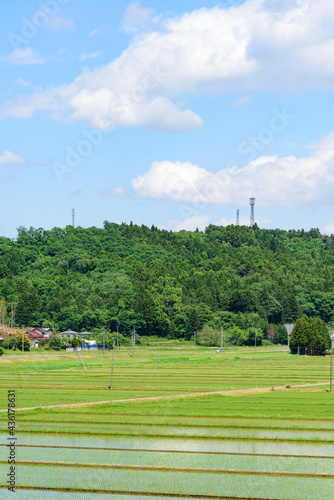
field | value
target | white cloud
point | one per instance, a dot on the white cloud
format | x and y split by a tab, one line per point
95	32
89	55
244	220
137	17
328	229
177	181
190	223
113	192
7	158
200	222
254	46
285	181
22	83
239	102
23	56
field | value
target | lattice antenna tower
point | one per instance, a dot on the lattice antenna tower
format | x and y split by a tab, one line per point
238	219
73	217
252	218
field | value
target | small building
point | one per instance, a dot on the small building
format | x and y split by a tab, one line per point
37	334
85	334
69	334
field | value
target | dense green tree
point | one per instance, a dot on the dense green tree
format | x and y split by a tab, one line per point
208	335
310	333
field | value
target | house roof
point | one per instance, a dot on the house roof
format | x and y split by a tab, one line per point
85	333
42	330
34	335
71	332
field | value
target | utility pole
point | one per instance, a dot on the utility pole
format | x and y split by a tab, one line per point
133	340
112	361
332	338
255	342
222	338
77	357
22	340
103	328
130	344
194	341
117	341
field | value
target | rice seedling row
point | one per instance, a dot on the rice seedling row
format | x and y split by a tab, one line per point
176	482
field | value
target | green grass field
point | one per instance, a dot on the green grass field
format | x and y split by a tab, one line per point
258	444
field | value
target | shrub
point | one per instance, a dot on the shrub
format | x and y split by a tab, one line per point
75	341
55	342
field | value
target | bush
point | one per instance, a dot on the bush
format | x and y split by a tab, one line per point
2	351
75	341
55	342
64	343
44	343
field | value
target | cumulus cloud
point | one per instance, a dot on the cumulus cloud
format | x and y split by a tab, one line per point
285	181
190	223
23	56
7	158
258	45
200	222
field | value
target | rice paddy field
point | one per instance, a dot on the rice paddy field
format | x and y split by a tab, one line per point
176	424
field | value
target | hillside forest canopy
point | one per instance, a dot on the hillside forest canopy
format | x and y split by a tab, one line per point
170	284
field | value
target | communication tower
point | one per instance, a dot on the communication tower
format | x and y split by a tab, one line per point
73	216
238	221
252	218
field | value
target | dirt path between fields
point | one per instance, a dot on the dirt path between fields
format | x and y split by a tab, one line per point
155	398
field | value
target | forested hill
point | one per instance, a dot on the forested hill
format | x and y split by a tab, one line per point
163	282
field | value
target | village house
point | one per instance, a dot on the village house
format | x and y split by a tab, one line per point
37	334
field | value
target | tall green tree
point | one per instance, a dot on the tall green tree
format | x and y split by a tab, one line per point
310	333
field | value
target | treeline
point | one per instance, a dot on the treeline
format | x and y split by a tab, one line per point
165	283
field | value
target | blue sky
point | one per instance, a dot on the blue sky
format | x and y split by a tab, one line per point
167	113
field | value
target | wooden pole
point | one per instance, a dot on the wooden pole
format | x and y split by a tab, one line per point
112	362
